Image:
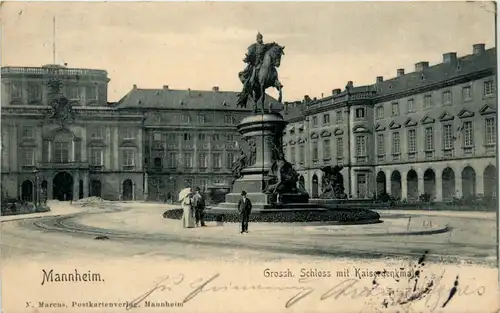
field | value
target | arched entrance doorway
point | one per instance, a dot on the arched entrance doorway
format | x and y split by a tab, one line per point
490	181
302	182
315	191
63	186
448	179
95	188
412	185
396	184
381	183
468	182
127	190
430	183
27	190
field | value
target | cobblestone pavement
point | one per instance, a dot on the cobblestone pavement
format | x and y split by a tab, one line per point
471	238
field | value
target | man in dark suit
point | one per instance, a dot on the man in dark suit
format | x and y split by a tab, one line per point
244	208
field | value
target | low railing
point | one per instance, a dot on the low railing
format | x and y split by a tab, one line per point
44	71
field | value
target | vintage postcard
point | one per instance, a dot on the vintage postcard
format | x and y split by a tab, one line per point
249	157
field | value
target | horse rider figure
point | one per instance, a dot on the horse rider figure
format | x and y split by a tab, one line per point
255	57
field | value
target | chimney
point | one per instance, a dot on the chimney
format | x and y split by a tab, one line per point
215	88
165	87
420	66
336	91
307	99
380	79
134	86
450	58
478	48
400	72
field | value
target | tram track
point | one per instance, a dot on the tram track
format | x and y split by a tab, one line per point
286	245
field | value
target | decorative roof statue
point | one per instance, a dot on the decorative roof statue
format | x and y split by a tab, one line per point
262	60
61	106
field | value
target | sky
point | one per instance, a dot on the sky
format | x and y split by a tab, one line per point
199	45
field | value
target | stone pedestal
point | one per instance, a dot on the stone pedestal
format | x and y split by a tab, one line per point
266	132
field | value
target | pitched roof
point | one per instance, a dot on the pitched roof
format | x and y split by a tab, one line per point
183	99
293	110
468	64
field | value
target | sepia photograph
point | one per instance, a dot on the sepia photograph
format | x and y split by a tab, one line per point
249	157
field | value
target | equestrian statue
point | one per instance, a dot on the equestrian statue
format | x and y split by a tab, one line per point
262	60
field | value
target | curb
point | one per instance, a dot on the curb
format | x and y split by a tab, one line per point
409	233
32	217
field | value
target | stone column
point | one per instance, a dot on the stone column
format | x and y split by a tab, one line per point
354	178
439	186
73	150
14	154
458	185
85	184
83	146
388	182
50	188
146	187
115	152
420	185
479	184
404	186
76	185
50	151
133	191
180	156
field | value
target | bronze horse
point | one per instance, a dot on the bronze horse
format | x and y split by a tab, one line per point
265	77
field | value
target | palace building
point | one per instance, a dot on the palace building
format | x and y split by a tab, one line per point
96	153
150	142
433	130
190	137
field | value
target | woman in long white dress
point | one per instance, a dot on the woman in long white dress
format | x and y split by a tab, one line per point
188	212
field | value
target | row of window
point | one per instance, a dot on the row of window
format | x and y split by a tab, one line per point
98	133
71	92
448	138
449	135
428	102
173	160
315	151
28	132
202	119
447	99
128	157
190	136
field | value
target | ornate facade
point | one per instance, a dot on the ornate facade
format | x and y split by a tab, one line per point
432	131
97	153
150	144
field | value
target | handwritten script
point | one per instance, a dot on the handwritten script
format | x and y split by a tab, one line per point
350	288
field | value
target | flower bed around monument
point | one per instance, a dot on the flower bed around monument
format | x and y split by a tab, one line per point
343	216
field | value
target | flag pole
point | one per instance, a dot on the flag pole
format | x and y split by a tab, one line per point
54	40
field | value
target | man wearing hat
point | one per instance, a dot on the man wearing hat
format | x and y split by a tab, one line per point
244	208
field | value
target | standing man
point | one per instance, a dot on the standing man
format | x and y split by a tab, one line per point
244	208
199	206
